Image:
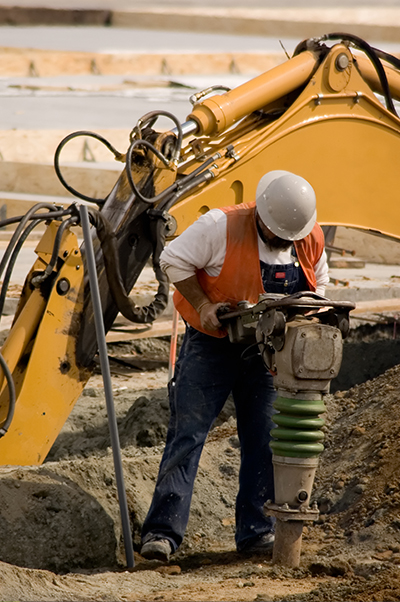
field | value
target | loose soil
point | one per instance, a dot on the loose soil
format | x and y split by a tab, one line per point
61	526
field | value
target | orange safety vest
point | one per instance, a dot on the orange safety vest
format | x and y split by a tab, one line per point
240	276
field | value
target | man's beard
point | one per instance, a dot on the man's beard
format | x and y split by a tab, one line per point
275	243
278	244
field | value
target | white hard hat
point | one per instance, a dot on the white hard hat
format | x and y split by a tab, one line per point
286	204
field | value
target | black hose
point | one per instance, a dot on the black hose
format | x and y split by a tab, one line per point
125	305
37	219
198	170
374	58
11	395
185	187
108	241
144	121
45	216
118	156
37	280
167	198
389	58
246	355
13	249
151	118
12	261
28	215
131	181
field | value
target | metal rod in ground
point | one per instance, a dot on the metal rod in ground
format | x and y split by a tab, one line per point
173	344
105	370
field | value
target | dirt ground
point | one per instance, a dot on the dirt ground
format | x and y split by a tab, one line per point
61	527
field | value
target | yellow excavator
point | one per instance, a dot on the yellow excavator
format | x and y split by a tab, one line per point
327	114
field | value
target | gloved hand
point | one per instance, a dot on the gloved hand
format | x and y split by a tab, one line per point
208	315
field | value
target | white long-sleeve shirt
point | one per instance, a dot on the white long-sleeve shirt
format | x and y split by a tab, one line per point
203	246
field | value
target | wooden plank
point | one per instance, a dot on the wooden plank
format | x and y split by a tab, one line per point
377	305
130	331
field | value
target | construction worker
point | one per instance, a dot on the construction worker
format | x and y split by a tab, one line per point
228	255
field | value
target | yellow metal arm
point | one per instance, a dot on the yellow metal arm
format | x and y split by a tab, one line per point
336	133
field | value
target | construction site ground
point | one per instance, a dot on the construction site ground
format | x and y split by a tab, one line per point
61	527
61	524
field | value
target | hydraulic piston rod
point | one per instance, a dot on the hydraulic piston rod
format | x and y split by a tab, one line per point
217	113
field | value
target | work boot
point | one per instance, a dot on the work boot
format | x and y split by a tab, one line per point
156	549
262	545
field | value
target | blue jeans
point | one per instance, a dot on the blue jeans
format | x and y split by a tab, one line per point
207	371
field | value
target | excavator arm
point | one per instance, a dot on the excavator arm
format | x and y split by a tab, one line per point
326	114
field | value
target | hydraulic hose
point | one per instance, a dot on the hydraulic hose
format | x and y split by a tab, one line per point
37	219
9	259
108	241
12	261
389	58
185	187
139	141
37	280
149	119
29	215
45	216
199	170
374	57
11	396
134	188
117	155
173	193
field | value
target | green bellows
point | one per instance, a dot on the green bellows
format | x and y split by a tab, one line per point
298	433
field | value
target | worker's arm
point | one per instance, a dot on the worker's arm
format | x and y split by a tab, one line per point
201	246
321	270
193	292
